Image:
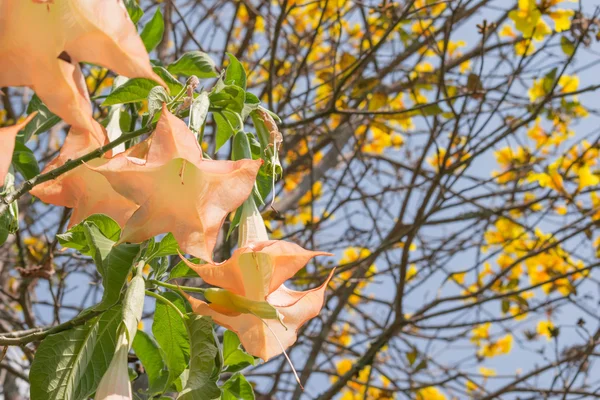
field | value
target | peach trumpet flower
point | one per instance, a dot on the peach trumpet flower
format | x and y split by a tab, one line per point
84	190
42	44
7	144
177	190
253	301
115	383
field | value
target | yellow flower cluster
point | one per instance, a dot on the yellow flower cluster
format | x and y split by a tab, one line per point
352	255
547	268
487	347
358	389
430	393
529	21
443	158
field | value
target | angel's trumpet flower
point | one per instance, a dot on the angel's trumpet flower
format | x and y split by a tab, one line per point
115	383
43	42
253	301
177	190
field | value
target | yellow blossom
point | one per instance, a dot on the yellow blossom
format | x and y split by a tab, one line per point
430	393
545	328
411	272
499	347
480	332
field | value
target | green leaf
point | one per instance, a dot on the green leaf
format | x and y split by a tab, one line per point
153	31
148	352
5	223
170	332
226	124
43	121
505	306
254	146
181	270
251	99
199	111
134	10
251	103
235	221
567	46
156	97
241	147
113	263
70	364
24	161
159	266
422	365
234	356
133	305
264	182
237	388
201	383
229	97
172	83
132	91
235	73
432	109
194	63
166	247
549	79
76	237
412	356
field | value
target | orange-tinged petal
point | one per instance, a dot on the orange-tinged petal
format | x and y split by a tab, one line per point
267	342
106	36
41	44
257	270
288	258
176	189
83	189
7	145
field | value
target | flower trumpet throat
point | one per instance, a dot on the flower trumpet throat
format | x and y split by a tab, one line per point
229	303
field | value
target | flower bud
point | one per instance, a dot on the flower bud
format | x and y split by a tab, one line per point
252	225
115	382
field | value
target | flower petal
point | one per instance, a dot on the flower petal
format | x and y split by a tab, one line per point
115	383
257	270
7	144
53	37
176	189
268	342
83	189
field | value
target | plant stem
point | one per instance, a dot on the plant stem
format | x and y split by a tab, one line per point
177	287
165	301
41	334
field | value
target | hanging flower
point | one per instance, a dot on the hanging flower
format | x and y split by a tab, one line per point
177	190
252	300
115	383
43	42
